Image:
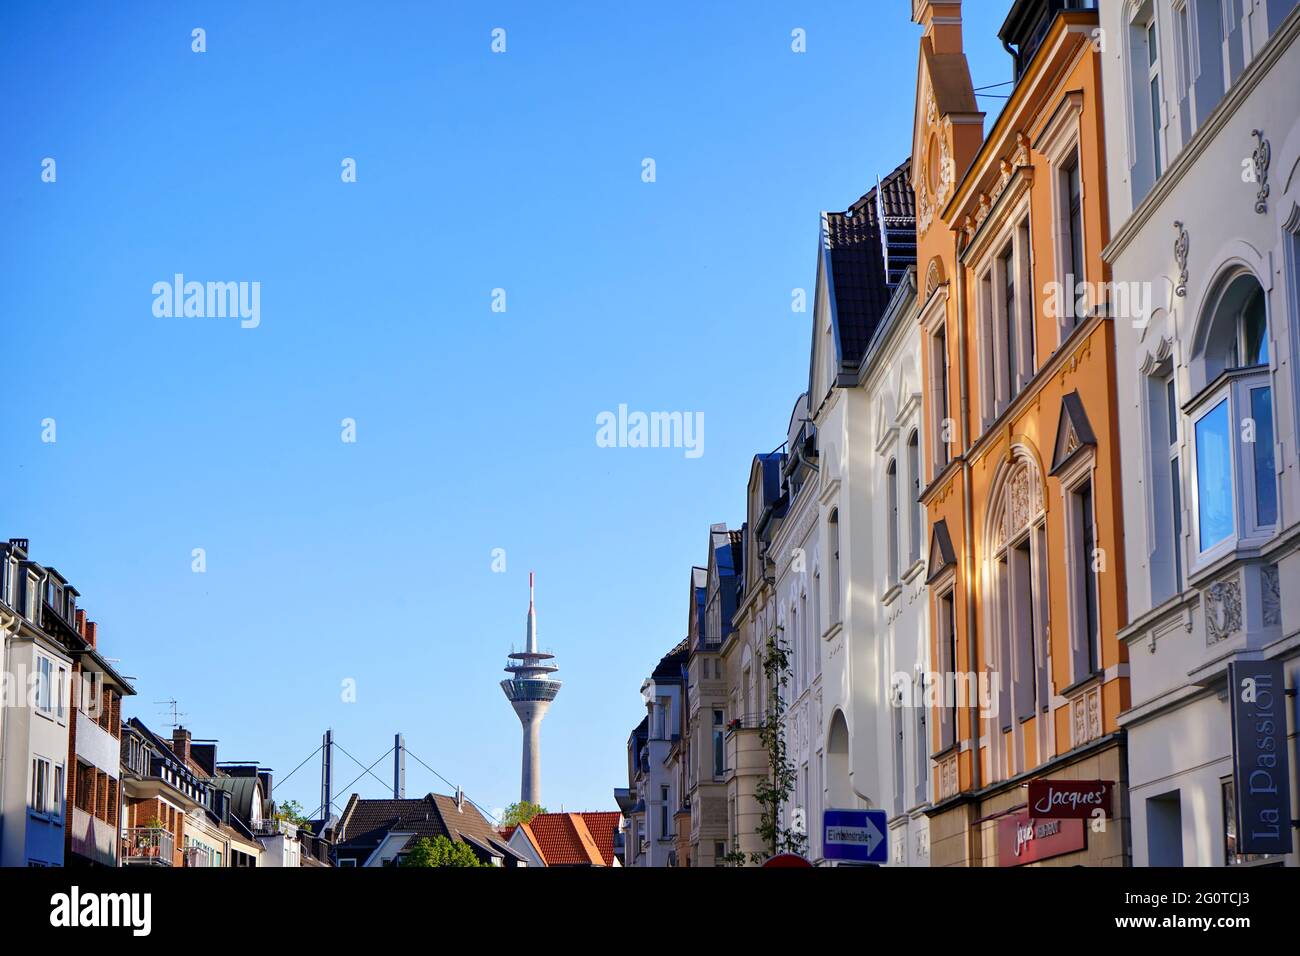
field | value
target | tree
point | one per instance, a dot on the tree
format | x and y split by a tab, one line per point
773	792
521	812
291	812
440	852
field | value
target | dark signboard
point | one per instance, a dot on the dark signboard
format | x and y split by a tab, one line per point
1069	799
1022	840
1261	780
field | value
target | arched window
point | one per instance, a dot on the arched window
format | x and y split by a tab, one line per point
1232	432
1018	602
891	516
914	507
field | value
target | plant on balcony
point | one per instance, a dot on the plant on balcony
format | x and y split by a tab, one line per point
291	811
773	791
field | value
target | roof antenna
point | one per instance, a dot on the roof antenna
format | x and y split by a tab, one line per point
176	715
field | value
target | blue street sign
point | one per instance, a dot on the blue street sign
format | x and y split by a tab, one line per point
857	835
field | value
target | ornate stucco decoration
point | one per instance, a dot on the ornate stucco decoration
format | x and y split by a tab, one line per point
1222	603
930	196
1024	500
1182	244
1272	597
1260	159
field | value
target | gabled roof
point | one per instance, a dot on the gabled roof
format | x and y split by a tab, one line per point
365	823
866	250
603	826
563	839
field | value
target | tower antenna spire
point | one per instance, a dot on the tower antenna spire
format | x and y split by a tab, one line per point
530	690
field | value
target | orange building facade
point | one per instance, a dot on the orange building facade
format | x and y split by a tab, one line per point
1026	583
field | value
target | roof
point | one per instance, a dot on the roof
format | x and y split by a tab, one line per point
868	248
603	825
365	823
563	839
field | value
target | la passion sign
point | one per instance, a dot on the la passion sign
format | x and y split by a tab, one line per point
1069	799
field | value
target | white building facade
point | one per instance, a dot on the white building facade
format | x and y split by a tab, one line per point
796	554
1203	141
865	402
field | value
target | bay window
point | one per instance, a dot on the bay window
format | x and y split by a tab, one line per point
1233	423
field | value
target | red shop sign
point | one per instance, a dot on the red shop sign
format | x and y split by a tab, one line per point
1022	840
1069	799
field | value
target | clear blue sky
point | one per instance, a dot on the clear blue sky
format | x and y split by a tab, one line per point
475	429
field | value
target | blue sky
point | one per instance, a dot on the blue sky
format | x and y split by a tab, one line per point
475	429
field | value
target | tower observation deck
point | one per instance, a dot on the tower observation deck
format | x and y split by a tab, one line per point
530	688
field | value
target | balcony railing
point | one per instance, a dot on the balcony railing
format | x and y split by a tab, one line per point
196	854
148	846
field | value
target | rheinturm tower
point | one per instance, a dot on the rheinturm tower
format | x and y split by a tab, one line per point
530	689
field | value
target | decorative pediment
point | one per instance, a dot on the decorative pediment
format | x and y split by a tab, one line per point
1073	432
942	556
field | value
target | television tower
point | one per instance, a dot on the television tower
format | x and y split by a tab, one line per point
530	690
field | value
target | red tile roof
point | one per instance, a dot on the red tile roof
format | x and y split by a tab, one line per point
602	825
562	839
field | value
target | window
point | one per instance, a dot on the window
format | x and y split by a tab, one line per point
1083	566
1018	609
663	813
939	375
833	541
915	510
719	747
40	793
57	797
1153	81
891	518
948	668
44	684
1233	421
1006	324
921	778
1071	186
1166	486
1214	476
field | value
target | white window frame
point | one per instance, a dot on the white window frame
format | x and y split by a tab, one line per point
1059	144
1070	480
39	792
1000	385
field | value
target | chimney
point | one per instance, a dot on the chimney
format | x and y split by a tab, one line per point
80	622
181	742
941	22
460	800
92	634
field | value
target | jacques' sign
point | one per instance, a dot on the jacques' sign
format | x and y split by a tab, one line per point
1257	694
1069	799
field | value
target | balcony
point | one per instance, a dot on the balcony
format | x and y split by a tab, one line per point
147	846
746	755
92	838
196	854
97	746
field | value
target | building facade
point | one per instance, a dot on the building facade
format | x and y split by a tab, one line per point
743	647
1202	143
1025	562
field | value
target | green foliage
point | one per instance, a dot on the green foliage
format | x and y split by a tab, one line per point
291	811
772	792
440	852
520	812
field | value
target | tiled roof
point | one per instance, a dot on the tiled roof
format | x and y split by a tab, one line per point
869	247
563	839
603	825
365	823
